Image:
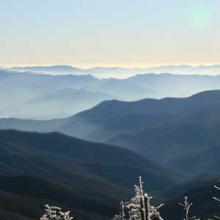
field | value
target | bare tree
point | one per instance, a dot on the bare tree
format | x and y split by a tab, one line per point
186	206
216	199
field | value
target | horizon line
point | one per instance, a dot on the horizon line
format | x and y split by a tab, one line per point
113	66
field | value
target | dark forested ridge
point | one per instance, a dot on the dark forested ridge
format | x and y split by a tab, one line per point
89	178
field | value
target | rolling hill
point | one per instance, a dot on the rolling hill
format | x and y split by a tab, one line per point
88	178
177	132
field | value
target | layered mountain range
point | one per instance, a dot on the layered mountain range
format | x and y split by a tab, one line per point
178	132
88	162
44	96
105	72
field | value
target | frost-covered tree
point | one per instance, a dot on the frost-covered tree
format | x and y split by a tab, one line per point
133	208
117	217
122	214
55	213
147	210
186	207
122	211
216	199
139	207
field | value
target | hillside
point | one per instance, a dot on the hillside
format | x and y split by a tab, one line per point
165	130
120	117
177	127
204	206
35	166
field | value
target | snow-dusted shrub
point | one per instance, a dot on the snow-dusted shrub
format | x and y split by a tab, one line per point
55	213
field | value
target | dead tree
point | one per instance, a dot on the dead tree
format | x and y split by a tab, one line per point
186	207
216	199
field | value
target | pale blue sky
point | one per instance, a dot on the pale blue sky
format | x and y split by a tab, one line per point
109	32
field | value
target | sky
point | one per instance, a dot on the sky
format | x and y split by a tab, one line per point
129	33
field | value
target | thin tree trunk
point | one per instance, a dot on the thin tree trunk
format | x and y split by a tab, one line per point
144	202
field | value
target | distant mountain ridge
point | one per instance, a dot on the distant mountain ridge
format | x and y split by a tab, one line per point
47	69
42	96
122	71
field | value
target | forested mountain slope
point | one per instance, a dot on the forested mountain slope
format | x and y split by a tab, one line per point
89	178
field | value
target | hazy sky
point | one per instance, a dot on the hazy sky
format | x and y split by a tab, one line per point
109	32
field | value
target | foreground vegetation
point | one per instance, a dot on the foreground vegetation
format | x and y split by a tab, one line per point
138	207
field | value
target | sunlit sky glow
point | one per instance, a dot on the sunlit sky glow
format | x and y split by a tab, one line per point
109	32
